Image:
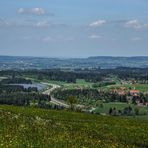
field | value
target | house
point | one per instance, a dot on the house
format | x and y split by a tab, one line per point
134	92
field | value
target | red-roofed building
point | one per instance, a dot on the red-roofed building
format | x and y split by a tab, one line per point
134	92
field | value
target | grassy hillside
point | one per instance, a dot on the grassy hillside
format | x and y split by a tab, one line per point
30	127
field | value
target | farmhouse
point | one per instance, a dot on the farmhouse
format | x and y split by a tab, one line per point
134	92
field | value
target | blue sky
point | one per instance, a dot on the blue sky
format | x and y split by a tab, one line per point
74	28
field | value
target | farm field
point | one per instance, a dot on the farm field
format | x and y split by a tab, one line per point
30	127
141	87
80	83
121	106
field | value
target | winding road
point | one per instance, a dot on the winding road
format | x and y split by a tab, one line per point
54	100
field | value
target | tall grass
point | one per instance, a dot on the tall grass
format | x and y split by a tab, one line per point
30	127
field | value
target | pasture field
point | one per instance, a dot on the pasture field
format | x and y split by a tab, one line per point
32	127
121	106
83	82
79	83
141	87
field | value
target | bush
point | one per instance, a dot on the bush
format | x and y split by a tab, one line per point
136	111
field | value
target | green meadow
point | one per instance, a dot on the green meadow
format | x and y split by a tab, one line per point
32	127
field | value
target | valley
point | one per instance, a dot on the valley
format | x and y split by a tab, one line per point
80	108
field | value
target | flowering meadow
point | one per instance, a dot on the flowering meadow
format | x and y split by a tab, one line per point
24	127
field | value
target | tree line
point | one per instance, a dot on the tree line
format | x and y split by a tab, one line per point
94	75
23	99
15	81
86	95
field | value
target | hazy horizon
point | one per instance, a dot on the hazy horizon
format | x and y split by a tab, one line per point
71	29
71	57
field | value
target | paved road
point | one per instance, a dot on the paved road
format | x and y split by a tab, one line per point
1	78
54	100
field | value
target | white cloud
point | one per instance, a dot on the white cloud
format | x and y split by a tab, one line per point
21	10
38	11
23	23
135	24
7	23
94	36
42	24
97	23
34	11
136	39
145	25
58	38
47	23
48	39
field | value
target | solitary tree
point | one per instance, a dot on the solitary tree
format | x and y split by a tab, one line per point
136	111
71	101
99	103
110	111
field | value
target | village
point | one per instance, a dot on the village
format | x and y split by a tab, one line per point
132	96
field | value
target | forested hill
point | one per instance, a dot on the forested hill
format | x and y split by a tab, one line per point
119	58
105	62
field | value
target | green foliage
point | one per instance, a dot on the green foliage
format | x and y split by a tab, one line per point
29	127
99	104
14	80
18	95
22	98
72	101
143	111
136	111
84	95
102	84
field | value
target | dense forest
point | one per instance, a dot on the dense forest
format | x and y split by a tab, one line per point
16	88
16	81
96	75
23	99
18	95
86	95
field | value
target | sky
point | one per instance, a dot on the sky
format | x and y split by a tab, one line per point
74	28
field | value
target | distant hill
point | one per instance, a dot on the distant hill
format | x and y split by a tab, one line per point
123	58
105	62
